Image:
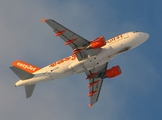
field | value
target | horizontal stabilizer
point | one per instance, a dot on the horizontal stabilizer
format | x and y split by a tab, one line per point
29	90
21	73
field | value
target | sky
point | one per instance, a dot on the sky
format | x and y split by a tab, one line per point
134	95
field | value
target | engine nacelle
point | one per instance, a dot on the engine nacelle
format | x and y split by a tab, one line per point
97	43
113	72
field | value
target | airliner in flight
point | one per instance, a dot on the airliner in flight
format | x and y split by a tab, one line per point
90	57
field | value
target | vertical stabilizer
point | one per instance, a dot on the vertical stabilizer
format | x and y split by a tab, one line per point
23	70
25	66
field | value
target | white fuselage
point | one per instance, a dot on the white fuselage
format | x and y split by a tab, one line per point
71	65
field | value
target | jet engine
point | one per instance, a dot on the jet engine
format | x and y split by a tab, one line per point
97	43
113	72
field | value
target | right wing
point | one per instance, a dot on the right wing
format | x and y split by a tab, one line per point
95	82
76	42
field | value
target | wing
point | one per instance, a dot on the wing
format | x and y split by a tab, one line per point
76	42
95	82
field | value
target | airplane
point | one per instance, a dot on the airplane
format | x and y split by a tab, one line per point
90	57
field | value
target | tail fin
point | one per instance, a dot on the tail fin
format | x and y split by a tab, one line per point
23	70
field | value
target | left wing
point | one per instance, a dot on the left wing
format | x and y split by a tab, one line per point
76	42
72	39
95	82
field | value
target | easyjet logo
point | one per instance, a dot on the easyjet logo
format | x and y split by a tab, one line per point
25	66
73	57
115	39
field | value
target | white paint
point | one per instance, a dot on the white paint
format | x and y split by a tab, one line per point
114	47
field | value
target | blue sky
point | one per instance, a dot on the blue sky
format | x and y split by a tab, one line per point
135	94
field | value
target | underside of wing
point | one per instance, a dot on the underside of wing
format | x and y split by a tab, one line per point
75	41
72	39
95	82
94	90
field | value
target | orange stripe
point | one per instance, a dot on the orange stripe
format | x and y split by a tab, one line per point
91	84
25	66
70	41
91	75
60	32
91	93
76	51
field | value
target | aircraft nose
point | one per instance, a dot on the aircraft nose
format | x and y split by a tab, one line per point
146	36
143	36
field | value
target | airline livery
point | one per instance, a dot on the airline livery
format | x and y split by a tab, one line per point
90	57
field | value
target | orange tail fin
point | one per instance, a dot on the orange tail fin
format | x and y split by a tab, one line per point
25	66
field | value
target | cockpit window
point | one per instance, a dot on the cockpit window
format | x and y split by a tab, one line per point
135	31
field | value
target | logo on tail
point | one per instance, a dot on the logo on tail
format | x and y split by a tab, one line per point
25	66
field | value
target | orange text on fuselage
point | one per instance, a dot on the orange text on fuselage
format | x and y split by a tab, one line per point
115	39
73	57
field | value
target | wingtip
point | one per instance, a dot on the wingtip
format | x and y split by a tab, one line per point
44	20
90	105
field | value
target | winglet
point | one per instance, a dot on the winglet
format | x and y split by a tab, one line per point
44	20
90	105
